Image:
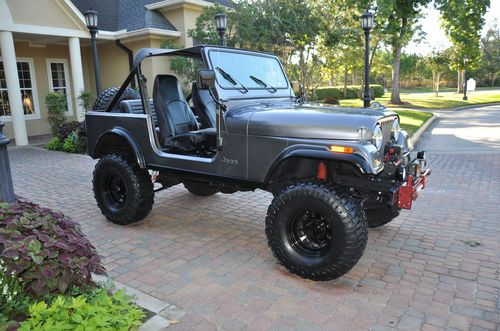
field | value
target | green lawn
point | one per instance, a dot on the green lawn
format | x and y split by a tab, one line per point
429	101
442	89
411	120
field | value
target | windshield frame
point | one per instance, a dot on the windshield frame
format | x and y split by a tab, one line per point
251	53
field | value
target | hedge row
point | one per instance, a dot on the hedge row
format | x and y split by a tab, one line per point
353	92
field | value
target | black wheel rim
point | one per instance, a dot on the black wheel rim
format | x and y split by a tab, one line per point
310	233
115	192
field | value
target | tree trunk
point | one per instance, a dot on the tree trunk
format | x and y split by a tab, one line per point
395	97
438	78
346	76
493	79
302	74
396	61
460	82
434	82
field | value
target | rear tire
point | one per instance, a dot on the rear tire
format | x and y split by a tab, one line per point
380	216
199	188
105	98
315	231
123	191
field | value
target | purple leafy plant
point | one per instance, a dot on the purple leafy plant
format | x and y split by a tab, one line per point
45	249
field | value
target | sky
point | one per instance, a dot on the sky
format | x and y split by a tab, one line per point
435	38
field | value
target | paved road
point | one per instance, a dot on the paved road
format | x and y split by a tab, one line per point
465	131
209	255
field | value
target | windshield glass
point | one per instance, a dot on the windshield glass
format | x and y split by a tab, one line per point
234	70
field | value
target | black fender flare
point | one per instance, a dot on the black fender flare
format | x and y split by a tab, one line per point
132	142
318	153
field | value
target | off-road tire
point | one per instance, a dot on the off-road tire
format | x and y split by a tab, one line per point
380	216
349	231
199	188
136	182
105	98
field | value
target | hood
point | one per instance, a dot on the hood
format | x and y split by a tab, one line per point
310	121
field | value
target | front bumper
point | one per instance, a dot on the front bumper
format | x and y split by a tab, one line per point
408	192
411	175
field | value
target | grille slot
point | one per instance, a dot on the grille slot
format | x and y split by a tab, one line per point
386	126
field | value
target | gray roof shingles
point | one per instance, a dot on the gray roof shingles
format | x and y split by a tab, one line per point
130	15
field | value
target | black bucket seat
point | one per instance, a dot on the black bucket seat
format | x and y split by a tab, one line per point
205	104
178	126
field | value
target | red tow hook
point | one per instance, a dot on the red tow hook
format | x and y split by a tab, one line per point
409	191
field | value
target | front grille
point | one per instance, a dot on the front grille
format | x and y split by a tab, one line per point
386	126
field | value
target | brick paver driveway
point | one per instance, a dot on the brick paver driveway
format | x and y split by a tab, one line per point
209	255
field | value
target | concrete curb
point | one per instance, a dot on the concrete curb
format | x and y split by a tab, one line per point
478	105
417	135
165	313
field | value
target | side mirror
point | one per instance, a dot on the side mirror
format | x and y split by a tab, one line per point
206	79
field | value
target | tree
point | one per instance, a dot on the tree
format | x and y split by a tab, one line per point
288	28
490	49
437	61
463	21
398	24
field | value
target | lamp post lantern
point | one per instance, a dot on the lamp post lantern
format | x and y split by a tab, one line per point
466	59
367	24
91	22
221	25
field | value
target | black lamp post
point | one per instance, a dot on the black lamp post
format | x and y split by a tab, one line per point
91	21
367	24
466	59
6	188
221	25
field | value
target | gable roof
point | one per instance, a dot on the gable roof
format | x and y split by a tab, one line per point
130	15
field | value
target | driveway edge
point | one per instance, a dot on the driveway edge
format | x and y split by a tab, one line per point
165	313
418	134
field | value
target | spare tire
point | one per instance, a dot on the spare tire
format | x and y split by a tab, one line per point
102	102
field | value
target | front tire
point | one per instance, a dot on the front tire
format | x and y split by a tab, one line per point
123	191
315	231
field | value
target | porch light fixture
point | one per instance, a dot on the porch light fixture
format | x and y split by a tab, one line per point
221	25
91	19
367	24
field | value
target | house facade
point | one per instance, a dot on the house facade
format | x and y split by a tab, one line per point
45	46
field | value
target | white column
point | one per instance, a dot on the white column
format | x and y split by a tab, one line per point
77	75
13	88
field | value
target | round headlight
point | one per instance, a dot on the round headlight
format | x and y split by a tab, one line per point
377	137
396	129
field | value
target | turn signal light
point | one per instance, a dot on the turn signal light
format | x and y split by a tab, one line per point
341	149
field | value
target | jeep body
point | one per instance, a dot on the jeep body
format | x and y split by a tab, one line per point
260	136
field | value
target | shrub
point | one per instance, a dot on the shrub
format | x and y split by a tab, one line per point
85	100
55	144
329	92
46	250
66	129
71	143
56	104
332	101
82	136
353	92
13	299
96	311
378	90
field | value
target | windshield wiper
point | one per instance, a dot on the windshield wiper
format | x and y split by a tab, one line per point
230	79
264	84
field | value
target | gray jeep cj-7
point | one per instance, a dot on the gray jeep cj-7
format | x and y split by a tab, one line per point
333	171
